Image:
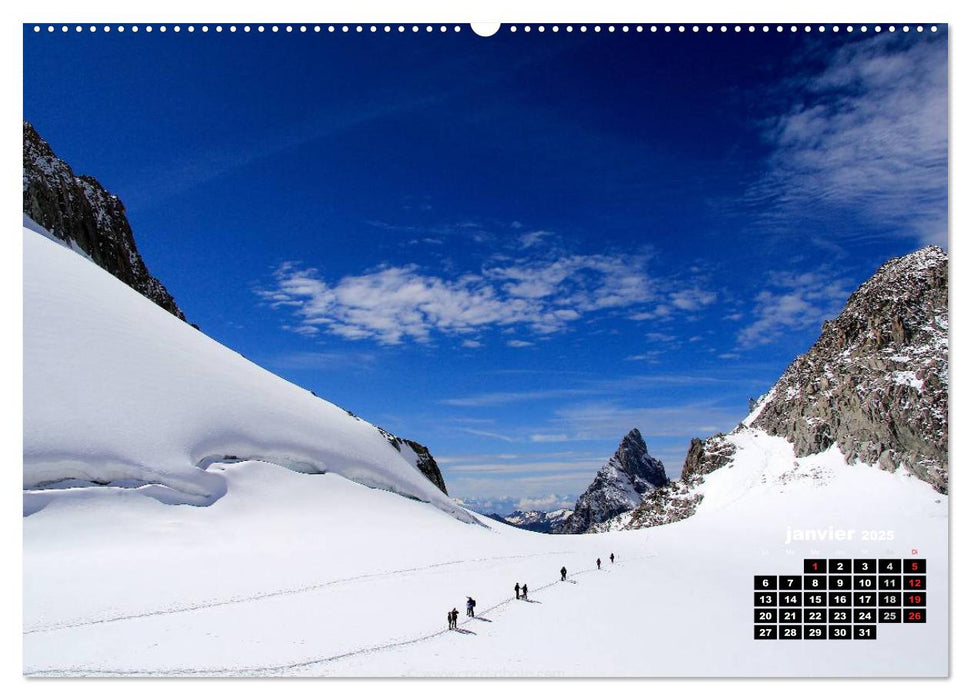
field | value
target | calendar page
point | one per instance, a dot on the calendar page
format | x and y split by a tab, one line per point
437	349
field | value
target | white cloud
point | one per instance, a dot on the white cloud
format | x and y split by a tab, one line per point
471	344
528	240
868	135
546	437
519	343
793	302
394	304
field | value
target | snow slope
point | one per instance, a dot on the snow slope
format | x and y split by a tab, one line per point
120	396
292	572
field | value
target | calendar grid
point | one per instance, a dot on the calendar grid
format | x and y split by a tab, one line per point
840	599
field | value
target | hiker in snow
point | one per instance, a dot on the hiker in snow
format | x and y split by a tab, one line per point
517	590
470	607
563	574
525	592
455	618
598	562
611	557
449	616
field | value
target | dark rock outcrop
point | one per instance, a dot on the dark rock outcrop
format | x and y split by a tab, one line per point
79	211
876	381
620	486
418	455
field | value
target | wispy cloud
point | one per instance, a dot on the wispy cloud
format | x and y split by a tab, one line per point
322	360
867	134
394	304
793	301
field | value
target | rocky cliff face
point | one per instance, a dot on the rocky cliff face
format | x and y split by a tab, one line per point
876	381
875	384
419	456
82	213
620	485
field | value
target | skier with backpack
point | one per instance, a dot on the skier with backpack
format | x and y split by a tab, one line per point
470	607
563	574
517	590
598	562
525	592
611	557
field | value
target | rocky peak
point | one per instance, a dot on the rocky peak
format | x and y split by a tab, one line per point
619	486
79	211
876	381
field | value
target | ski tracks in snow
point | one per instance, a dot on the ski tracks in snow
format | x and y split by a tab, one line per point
282	669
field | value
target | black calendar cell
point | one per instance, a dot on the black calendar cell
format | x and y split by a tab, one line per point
915	583
865	583
890	583
814	566
766	583
814	615
890	600
790	631
766	616
814	583
866	616
889	566
915	600
890	615
766	632
862	599
790	600
840	566
864	566
915	615
814	632
864	631
840	583
793	615
915	566
814	600
840	615
766	600
790	583
840	600
840	631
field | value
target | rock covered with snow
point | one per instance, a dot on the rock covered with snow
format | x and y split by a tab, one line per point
620	485
83	214
876	381
873	386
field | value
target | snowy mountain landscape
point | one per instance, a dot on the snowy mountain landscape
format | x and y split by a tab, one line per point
207	518
387	355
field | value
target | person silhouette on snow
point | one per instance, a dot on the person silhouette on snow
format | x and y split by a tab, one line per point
563	574
611	557
451	622
598	562
517	590
455	618
470	607
525	592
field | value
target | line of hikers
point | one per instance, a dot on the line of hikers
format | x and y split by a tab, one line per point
522	593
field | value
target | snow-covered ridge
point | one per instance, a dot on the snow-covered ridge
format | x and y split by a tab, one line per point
123	398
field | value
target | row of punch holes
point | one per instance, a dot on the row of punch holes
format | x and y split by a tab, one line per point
373	28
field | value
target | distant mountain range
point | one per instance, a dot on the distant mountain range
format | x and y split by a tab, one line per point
535	520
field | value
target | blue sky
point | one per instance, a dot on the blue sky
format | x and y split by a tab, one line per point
511	249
